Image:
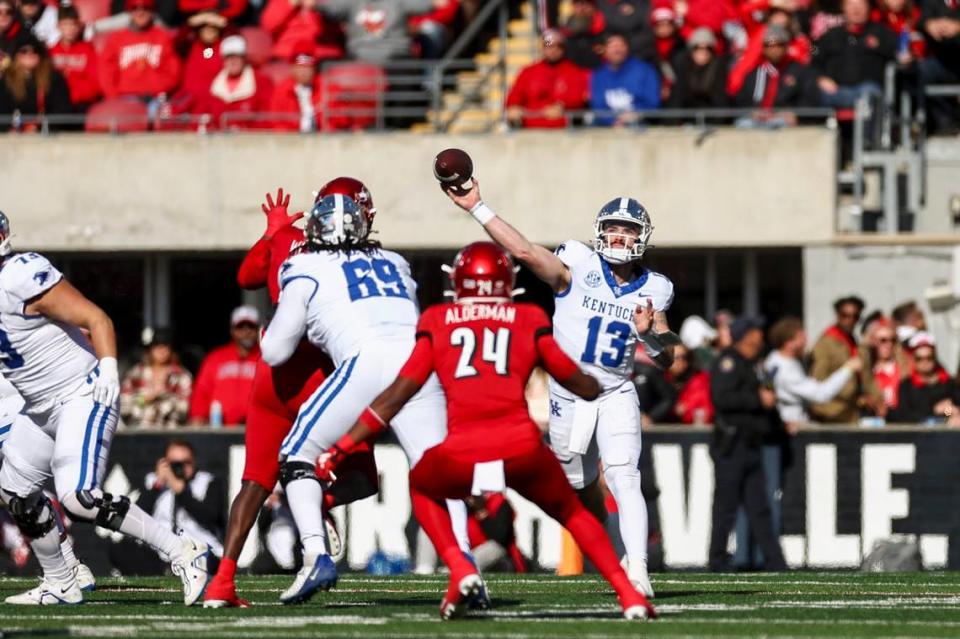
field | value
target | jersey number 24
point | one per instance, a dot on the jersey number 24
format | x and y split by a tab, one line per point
495	349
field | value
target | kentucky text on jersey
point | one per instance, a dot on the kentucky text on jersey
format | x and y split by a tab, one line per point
472	312
607	308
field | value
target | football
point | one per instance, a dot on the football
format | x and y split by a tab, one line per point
453	168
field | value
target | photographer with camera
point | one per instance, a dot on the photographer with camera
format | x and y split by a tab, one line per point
186	498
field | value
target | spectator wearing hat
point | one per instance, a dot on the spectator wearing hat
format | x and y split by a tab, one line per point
10	27
199	41
799	48
886	365
745	417
850	59
632	19
831	352
31	86
778	82
225	379
139	61
546	90
670	47
928	394
622	85
584	34
237	92
232	10
299	95
940	22
156	392
908	320
719	16
291	22
699	338
40	18
701	75
76	59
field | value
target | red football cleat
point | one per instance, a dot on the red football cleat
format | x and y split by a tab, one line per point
637	607
459	592
222	593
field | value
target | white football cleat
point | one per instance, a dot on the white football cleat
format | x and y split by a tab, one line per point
636	613
637	572
49	593
334	541
191	567
85	579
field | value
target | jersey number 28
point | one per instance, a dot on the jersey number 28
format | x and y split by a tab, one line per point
495	350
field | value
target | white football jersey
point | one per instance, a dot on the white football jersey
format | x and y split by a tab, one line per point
44	360
593	320
358	299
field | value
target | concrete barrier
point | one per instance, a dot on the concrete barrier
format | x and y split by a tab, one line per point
192	192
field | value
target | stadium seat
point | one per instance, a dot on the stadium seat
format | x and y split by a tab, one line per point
277	72
259	45
118	116
92	10
353	95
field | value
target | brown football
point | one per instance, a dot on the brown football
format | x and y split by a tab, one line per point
453	168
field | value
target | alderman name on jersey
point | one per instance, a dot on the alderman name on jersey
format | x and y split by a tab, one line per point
472	312
593	320
44	360
353	299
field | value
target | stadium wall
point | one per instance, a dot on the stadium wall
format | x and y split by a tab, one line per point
846	489
726	187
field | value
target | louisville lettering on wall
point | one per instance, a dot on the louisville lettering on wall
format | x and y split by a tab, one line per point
845	490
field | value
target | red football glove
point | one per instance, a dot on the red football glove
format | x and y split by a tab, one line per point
328	461
277	216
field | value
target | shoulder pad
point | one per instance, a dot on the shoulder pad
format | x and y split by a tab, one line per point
573	252
27	275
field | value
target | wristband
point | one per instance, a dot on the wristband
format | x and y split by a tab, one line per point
482	213
371	420
345	444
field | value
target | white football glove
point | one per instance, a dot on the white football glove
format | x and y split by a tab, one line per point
106	387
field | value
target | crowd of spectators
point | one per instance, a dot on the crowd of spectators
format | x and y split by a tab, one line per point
247	58
638	55
871	370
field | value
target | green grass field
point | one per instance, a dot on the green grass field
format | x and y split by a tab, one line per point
690	605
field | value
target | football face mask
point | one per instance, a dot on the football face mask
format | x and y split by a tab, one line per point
622	231
5	237
335	220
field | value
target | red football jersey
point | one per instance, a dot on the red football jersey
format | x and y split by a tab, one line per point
483	354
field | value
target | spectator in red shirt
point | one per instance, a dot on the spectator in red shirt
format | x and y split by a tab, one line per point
798	48
693	405
225	378
431	31
887	366
76	59
720	16
669	45
544	91
293	21
903	18
203	61
299	95
237	90
139	62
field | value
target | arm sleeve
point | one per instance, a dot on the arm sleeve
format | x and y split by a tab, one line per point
811	390
420	363
255	268
276	15
290	320
554	360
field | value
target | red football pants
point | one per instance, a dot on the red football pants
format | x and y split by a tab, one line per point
537	476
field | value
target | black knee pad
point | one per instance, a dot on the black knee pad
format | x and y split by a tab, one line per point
106	511
294	470
28	512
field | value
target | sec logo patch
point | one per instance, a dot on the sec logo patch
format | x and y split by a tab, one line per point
592	279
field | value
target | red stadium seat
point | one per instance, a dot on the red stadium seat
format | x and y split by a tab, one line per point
92	10
118	116
276	71
353	95
259	45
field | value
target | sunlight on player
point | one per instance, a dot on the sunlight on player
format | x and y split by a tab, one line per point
483	348
606	304
71	390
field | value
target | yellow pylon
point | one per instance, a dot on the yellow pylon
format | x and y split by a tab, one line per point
571	559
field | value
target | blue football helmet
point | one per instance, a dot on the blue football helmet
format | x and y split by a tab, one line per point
5	237
623	210
336	219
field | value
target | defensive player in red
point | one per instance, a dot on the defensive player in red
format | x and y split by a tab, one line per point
277	396
483	348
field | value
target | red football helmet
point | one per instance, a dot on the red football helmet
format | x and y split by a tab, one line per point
482	271
353	189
